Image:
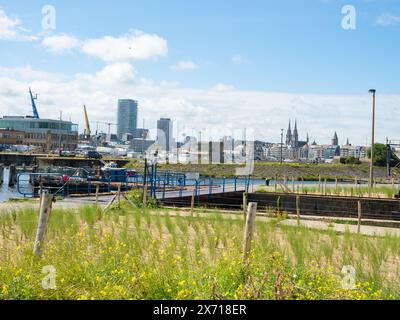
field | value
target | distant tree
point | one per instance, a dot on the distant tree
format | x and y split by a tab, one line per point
380	156
352	160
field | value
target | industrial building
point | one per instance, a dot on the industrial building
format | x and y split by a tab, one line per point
127	117
45	134
11	137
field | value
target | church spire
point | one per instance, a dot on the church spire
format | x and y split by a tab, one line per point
335	140
289	135
295	135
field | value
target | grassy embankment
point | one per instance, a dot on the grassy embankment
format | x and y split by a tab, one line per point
270	170
161	254
379	191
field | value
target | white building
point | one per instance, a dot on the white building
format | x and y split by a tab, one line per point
348	151
316	152
273	153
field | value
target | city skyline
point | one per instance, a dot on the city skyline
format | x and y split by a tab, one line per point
251	78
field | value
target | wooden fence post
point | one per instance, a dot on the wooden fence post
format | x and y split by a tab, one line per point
244	204
12	180
145	194
276	183
119	196
325	187
192	202
278	206
293	188
45	210
359	217
319	183
1	174
298	209
97	194
249	228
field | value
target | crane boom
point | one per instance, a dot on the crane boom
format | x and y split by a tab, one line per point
34	110
109	124
87	132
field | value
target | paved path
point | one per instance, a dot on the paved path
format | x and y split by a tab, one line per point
340	227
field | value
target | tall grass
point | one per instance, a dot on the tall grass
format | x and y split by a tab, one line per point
159	254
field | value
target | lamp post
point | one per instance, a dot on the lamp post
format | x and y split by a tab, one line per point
388	157
281	146
371	168
199	149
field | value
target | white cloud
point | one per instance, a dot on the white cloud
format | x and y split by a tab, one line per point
184	65
221	87
11	29
26	73
61	43
238	59
387	19
233	109
129	47
118	73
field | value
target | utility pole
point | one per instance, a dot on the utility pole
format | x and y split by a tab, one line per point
143	136
388	157
199	149
282	130
245	144
177	142
371	168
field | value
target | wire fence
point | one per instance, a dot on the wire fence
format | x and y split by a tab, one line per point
277	204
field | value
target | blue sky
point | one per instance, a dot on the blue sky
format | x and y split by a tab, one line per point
293	47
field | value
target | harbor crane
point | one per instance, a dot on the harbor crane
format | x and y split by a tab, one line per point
87	132
109	124
34	109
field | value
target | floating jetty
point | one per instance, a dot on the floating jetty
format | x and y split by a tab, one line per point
66	181
43	160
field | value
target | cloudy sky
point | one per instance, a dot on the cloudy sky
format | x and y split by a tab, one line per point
217	66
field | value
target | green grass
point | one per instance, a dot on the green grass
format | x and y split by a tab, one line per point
340	190
262	170
166	254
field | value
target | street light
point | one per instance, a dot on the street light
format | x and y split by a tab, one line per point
371	168
281	145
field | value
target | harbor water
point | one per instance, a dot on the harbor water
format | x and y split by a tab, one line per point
7	192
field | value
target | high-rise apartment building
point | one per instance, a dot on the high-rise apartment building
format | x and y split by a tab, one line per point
127	117
164	133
